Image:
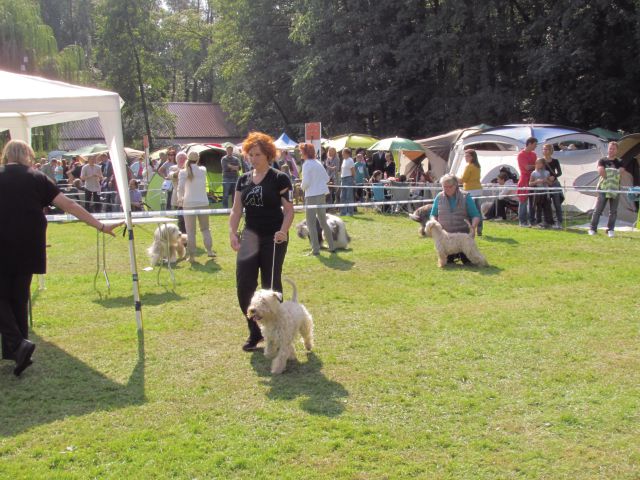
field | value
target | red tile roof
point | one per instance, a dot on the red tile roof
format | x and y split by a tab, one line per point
195	123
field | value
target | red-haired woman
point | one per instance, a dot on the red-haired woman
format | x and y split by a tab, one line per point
266	196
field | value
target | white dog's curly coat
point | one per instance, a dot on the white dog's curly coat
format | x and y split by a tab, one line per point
450	243
338	229
281	322
168	243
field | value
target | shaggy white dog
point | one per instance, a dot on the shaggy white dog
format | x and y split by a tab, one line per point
281	322
450	243
338	229
168	243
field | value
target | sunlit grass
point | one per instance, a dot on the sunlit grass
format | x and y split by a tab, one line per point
527	369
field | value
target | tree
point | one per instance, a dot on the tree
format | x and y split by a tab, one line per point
253	57
128	55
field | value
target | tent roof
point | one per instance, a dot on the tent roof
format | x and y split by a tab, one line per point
521	132
35	101
606	134
284	142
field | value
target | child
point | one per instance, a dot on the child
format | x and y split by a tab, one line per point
540	178
135	196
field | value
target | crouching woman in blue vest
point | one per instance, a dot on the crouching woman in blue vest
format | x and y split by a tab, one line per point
455	210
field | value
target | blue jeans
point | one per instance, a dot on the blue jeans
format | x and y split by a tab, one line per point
228	190
346	195
526	211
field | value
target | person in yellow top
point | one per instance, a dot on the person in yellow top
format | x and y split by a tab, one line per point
471	181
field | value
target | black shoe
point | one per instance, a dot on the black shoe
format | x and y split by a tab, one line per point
23	356
251	344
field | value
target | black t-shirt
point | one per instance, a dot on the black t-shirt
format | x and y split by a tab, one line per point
606	163
24	193
553	167
261	202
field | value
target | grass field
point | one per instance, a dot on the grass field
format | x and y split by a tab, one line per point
527	369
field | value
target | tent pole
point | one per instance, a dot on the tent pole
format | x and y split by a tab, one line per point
134	278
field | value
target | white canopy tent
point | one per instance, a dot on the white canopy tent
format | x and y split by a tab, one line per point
27	102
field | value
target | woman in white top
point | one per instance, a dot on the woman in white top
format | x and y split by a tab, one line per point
314	184
192	194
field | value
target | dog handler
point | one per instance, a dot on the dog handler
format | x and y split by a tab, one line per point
453	209
266	195
314	184
24	193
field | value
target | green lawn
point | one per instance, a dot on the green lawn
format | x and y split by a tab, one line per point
527	369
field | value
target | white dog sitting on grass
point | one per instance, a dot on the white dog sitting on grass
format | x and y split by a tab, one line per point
451	243
281	322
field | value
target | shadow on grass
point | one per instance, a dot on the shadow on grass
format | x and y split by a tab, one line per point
321	395
490	270
510	241
59	385
146	299
335	262
209	266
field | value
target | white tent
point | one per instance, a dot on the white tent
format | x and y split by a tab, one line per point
577	151
27	102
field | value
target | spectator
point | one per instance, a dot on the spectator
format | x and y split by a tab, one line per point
135	196
553	167
230	173
498	209
163	171
540	178
347	182
332	164
91	175
471	181
361	171
389	166
609	170
192	194
526	163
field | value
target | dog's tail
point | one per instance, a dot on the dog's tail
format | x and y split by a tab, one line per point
294	297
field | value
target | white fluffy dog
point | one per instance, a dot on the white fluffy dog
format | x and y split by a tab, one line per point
281	322
168	243
450	243
341	238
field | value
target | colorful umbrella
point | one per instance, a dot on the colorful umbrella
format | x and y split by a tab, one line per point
351	140
396	144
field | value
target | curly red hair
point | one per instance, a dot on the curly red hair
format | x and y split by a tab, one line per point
261	140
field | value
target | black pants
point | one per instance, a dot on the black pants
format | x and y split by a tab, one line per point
543	206
14	310
257	254
92	201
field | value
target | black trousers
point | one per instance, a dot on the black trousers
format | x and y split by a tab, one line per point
14	310
257	255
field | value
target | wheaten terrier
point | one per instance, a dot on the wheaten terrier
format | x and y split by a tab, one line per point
338	229
451	243
281	322
168	244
